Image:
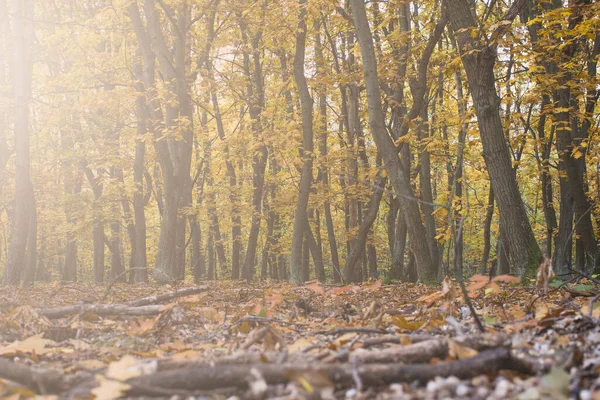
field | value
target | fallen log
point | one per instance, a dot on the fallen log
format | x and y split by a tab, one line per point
396	339
34	379
100	309
226	376
427	350
161	298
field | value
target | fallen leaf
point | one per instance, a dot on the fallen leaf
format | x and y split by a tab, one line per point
109	389
315	286
460	352
402	323
375	285
477	282
123	369
90	365
299	345
33	344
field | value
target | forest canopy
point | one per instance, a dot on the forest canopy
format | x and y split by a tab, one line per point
297	140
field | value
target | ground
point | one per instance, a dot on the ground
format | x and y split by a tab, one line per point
275	340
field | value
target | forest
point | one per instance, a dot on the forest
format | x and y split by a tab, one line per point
297	140
300	199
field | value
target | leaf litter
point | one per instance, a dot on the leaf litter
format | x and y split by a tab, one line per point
277	340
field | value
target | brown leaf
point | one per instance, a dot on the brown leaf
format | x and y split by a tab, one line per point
315	286
460	352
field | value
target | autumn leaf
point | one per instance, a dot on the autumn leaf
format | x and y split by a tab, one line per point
315	286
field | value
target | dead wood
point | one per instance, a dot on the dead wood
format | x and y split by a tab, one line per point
37	380
429	349
207	378
395	339
344	330
238	358
99	309
161	298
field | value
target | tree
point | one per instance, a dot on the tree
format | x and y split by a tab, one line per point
306	103
21	238
478	54
408	205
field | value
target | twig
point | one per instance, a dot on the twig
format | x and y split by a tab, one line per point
355	375
592	301
339	331
461	283
116	279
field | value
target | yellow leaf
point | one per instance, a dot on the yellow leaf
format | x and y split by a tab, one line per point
123	369
109	389
402	323
34	344
459	351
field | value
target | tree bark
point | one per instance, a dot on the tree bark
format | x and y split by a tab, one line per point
256	103
306	103
16	261
351	272
98	225
387	148
487	230
479	57
174	152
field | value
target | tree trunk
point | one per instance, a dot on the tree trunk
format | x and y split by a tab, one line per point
385	145
351	274
563	244
503	249
479	66
487	230
98	225
306	103
198	267
425	187
22	23
256	103
174	152
140	199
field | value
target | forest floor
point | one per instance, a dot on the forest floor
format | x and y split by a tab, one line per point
275	340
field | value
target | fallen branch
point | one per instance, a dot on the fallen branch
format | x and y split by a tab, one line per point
341	331
144	301
38	380
99	309
427	350
395	339
207	378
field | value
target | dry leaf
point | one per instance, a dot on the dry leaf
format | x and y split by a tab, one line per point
402	323
460	352
123	369
315	286
33	344
109	389
299	345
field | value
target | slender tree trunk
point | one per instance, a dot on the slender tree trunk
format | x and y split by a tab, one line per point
198	266
256	103
457	182
305	258
425	188
504	249
351	273
98	225
22	24
479	66
306	103
563	244
210	250
487	230
386	146
140	199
